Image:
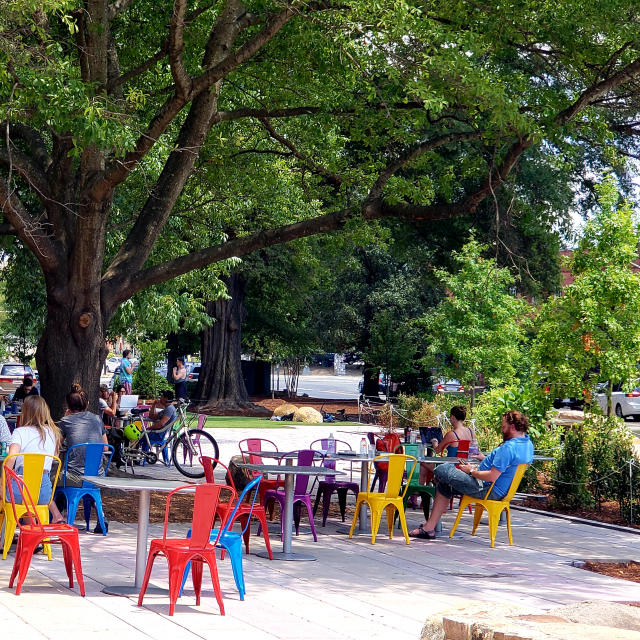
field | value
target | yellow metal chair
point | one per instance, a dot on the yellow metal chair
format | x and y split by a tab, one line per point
494	508
391	500
33	468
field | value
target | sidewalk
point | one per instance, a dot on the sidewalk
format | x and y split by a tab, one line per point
353	591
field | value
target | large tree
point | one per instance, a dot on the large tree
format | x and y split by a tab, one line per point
122	119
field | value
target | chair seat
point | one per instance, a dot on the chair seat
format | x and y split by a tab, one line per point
178	545
326	489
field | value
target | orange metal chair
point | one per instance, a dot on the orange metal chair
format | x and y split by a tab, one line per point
494	508
33	468
197	549
34	533
391	500
244	510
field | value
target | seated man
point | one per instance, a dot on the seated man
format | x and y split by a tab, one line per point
27	388
499	466
162	412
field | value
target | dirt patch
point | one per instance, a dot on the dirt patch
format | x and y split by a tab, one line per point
609	512
624	570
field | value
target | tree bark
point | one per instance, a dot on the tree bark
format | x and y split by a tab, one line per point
370	386
71	350
221	385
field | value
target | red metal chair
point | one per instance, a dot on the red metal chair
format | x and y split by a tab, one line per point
197	549
463	454
34	533
244	510
259	444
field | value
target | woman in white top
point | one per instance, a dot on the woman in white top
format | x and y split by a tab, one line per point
37	433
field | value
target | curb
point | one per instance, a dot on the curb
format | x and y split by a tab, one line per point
563	516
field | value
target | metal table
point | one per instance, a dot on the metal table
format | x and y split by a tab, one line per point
145	487
289	471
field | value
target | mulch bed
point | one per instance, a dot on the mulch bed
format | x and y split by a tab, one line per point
623	570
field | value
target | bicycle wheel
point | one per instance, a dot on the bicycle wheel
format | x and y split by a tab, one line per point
189	447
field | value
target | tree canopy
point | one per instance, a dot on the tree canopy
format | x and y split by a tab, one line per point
142	140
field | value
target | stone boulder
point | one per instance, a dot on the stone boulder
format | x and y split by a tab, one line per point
492	621
308	415
284	409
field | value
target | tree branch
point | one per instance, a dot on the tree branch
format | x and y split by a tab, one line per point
16	161
117	6
331	177
392	167
176	45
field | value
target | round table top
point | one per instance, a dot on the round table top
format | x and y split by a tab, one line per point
287	469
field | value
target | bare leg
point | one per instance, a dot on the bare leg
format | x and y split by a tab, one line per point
55	512
440	505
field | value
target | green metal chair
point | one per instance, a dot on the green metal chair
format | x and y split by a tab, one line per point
425	491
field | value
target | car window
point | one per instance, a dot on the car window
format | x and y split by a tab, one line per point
12	370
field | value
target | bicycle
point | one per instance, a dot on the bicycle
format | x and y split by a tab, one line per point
186	444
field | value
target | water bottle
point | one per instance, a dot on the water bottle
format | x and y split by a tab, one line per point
473	449
363	447
331	445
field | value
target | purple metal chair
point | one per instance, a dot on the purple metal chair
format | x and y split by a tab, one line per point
327	486
306	458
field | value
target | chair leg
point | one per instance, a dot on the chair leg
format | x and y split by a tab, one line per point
356	514
24	553
403	523
147	574
476	518
426	505
508	513
68	562
9	530
87	502
457	521
342	502
176	570
261	516
376	516
493	526
216	582
196	577
391	512
326	503
307	503
235	554
72	508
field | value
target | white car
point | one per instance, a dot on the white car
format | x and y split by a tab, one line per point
113	363
625	404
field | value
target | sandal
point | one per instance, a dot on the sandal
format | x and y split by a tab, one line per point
422	534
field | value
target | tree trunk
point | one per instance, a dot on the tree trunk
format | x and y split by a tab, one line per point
71	350
221	384
371	376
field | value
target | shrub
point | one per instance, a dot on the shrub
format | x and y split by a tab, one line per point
569	483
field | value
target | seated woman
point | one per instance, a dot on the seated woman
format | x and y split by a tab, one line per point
37	433
457	416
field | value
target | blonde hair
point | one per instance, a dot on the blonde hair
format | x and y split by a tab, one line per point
35	413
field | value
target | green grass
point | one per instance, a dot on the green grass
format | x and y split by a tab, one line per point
239	422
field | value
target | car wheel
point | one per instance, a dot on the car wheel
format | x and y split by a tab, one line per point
619	411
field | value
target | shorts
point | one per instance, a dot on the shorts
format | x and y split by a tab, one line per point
453	482
45	491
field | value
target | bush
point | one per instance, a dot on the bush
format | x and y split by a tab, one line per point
572	473
146	382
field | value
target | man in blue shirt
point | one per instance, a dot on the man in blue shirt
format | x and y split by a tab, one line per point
499	467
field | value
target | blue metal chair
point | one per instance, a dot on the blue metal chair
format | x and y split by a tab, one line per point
230	540
88	492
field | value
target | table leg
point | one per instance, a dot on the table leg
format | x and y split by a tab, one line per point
287	524
141	554
363	525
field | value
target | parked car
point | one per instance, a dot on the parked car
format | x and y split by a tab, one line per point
448	386
193	370
113	363
12	374
625	404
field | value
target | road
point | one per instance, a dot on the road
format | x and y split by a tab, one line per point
328	386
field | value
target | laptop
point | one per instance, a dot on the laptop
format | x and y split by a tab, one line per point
128	402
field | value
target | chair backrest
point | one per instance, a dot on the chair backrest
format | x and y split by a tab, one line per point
396	467
12	483
305	458
202	418
252	486
255	444
371	437
92	460
324	443
205	503
412	450
32	469
207	465
515	483
463	449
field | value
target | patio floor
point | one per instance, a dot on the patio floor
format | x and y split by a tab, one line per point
353	591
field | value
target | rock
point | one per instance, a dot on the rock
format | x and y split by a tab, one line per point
492	621
307	414
285	409
610	614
